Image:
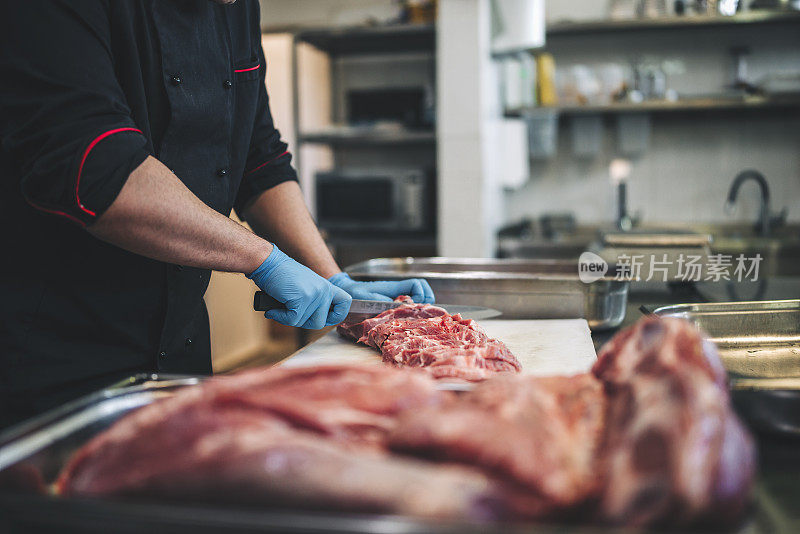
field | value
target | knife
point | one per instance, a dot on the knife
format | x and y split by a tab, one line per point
364	309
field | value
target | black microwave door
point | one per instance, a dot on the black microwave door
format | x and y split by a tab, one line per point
349	203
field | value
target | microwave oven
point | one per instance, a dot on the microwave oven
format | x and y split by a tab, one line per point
375	201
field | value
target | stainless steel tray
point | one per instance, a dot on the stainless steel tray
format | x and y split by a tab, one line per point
42	446
44	442
759	339
759	343
769	404
520	288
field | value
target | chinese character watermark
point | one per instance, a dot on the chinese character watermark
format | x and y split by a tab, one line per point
663	268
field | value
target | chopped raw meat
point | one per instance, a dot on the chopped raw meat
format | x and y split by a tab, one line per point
421	335
356	331
540	435
674	452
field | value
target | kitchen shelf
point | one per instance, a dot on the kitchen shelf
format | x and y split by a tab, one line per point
365	136
387	39
757	17
381	240
664	106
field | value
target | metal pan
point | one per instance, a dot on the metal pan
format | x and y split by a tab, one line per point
759	343
756	339
44	441
520	288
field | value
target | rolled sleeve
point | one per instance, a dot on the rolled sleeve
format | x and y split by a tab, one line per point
64	119
269	162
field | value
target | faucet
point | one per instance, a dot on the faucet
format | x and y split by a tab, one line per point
625	222
765	218
620	170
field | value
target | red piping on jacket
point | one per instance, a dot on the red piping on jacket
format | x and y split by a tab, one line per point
251	171
249	69
55	212
83	160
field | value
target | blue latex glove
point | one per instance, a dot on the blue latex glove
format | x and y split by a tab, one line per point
310	300
416	288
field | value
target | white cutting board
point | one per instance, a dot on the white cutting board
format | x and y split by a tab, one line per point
542	346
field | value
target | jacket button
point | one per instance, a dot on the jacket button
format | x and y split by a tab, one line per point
188	341
222	172
175	79
162	354
227	84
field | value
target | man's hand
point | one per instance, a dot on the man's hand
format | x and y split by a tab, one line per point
419	290
311	301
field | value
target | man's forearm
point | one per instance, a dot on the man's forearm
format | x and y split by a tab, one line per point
157	216
280	215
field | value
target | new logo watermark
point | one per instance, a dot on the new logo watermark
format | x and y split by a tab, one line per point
670	268
591	267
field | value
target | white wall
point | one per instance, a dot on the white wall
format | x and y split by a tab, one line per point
683	177
693	157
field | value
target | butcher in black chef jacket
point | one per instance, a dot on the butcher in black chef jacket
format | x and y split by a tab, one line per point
129	129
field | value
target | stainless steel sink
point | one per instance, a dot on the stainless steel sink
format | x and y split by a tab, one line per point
570	249
780	252
780	256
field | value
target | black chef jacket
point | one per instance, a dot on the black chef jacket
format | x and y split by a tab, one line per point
89	89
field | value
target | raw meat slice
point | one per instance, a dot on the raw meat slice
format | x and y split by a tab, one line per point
539	434
241	459
674	452
447	346
348	403
410	310
355	405
441	344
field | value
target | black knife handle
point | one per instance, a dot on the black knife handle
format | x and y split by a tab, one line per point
263	302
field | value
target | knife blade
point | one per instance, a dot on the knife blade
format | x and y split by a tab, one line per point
364	309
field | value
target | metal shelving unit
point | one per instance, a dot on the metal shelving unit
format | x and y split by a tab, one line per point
387	39
664	106
710	103
395	42
752	18
366	136
364	40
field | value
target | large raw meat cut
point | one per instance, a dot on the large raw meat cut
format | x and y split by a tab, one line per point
422	335
353	404
647	438
539	434
236	440
674	452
